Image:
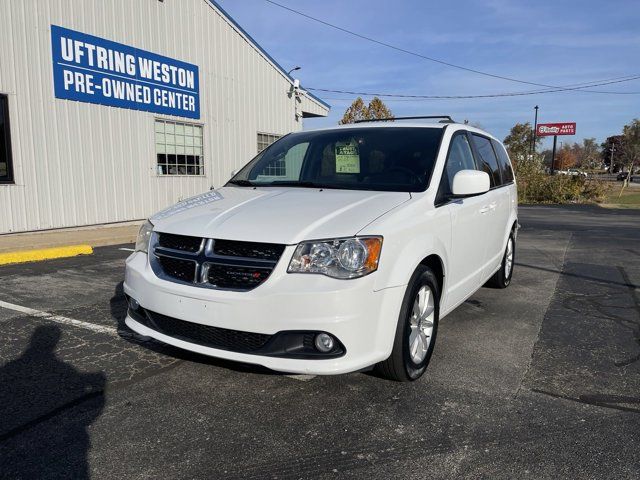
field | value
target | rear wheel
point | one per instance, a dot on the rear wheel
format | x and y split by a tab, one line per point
416	330
502	278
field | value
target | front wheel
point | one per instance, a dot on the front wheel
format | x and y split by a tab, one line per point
416	330
502	278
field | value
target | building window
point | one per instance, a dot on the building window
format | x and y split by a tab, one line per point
266	139
6	169
274	169
179	148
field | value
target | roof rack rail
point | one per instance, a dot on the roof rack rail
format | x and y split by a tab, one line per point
445	119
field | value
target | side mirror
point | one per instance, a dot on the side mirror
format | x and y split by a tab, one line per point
467	183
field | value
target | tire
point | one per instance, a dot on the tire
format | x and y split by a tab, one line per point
502	278
406	364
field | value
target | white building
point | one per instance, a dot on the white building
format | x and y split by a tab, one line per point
111	110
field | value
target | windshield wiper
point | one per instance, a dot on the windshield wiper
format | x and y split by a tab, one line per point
290	183
242	183
277	183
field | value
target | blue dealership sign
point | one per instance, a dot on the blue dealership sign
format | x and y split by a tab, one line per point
95	70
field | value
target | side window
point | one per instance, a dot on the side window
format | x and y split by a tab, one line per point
505	163
460	158
488	161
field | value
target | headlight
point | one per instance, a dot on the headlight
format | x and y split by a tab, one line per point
144	236
339	258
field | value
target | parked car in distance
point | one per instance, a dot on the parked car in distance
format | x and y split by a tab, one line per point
622	176
574	172
331	251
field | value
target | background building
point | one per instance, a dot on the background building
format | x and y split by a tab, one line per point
113	109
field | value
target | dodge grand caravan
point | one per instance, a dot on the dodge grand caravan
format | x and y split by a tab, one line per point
331	251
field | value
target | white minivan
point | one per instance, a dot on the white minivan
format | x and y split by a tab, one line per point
332	251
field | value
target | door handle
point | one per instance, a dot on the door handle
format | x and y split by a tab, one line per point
484	209
493	205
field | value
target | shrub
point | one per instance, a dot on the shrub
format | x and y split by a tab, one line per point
536	186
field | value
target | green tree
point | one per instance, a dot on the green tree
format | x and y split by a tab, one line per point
359	111
546	157
518	142
610	151
630	151
589	154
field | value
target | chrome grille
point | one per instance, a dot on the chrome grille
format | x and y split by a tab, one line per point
211	263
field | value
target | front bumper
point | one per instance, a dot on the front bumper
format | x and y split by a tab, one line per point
363	320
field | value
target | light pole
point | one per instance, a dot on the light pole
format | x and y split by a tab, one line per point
295	93
535	130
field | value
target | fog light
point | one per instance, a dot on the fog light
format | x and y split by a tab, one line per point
133	304
324	342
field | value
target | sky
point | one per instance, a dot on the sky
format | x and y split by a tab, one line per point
548	42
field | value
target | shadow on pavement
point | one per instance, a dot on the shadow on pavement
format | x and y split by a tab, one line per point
37	390
118	304
585	277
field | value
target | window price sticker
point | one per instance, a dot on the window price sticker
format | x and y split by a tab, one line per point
347	157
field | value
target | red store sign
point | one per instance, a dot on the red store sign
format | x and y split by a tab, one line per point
550	129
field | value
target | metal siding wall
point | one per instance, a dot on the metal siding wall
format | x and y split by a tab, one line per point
81	164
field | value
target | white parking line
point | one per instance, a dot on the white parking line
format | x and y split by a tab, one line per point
127	249
59	319
96	328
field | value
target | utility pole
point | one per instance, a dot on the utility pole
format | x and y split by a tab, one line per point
613	149
535	130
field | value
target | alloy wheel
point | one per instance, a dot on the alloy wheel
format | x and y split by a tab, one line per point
508	264
421	324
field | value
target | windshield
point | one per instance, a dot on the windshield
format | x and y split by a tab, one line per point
391	159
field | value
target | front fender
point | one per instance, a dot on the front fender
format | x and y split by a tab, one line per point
410	235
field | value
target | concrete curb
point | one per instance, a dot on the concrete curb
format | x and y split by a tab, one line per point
96	236
44	254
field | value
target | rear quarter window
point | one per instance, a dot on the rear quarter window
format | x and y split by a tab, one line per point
505	163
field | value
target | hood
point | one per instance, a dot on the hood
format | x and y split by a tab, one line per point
276	215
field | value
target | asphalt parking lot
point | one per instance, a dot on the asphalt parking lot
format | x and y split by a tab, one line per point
541	380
